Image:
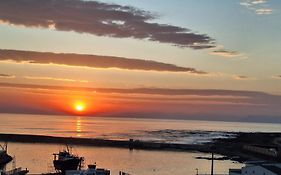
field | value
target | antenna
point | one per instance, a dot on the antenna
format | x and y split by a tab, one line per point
6	146
67	148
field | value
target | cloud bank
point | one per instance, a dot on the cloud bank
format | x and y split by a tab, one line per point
92	61
141	102
101	19
152	91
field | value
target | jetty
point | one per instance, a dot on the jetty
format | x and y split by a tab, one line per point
242	147
130	144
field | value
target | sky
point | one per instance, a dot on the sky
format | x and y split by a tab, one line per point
191	59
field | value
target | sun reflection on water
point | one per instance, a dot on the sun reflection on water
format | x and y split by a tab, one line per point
78	126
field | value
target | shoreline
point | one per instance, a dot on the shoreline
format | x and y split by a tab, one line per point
230	148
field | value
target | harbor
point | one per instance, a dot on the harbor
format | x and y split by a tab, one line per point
38	158
64	163
243	148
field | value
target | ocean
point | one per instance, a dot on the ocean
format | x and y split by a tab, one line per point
38	157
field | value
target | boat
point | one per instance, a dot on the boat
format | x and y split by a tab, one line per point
16	171
66	163
5	158
65	160
92	170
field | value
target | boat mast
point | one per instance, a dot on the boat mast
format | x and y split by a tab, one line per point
4	147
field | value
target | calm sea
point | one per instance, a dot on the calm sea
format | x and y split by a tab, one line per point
38	157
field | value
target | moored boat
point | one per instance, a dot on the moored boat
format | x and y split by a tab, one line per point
92	170
65	160
4	156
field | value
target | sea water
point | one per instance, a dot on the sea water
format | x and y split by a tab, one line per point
38	157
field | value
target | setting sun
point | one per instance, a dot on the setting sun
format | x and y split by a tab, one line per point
79	107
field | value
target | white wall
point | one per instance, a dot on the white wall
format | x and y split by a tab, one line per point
256	170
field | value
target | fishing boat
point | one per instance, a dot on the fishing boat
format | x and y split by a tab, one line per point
66	163
65	160
4	156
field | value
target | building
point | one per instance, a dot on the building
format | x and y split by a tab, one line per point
258	168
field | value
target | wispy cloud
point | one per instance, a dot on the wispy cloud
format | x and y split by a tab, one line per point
264	11
259	1
276	77
92	61
6	76
226	53
220	50
260	7
243	77
101	19
249	3
55	79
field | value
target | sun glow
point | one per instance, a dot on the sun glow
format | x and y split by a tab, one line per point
79	107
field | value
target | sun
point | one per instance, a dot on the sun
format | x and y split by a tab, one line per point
79	107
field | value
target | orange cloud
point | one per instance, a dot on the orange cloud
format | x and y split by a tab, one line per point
142	102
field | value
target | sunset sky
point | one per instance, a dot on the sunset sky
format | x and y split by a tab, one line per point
199	59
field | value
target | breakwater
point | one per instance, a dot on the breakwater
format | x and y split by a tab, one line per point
130	144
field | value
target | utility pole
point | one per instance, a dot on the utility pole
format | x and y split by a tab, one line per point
212	166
